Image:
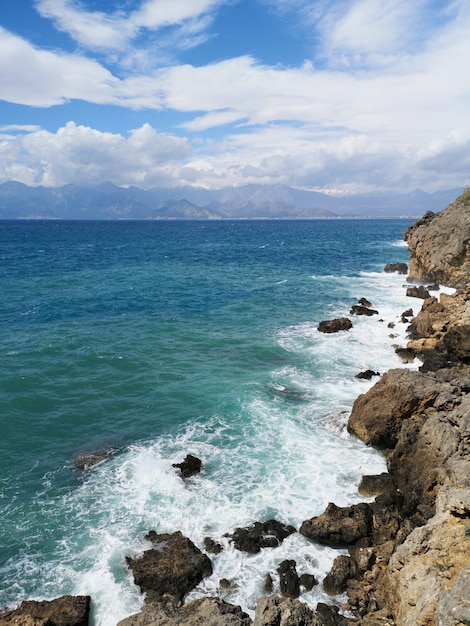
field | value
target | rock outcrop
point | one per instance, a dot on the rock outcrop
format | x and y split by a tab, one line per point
63	611
439	245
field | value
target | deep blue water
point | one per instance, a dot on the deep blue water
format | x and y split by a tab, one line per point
162	338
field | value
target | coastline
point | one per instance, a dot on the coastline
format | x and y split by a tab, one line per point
380	587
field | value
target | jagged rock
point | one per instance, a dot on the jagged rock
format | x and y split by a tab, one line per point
307	581
377	415
344	568
211	546
375	484
426	570
339	526
275	611
190	466
407	355
439	245
63	611
204	611
367	375
359	309
365	302
259	535
171	568
398	268
334	326
289	579
418	292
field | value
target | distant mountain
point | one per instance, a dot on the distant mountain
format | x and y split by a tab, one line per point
107	201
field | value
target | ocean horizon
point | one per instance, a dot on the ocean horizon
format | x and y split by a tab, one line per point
153	340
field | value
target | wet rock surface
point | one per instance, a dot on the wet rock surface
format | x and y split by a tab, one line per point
335	326
259	535
171	568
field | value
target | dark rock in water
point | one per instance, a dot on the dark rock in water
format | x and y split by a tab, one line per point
63	611
396	268
418	292
268	584
334	326
211	546
359	309
289	579
433	287
171	569
87	458
308	581
259	535
375	484
367	375
344	568
339	526
365	302
204	611
190	466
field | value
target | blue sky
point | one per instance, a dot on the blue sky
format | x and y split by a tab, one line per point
340	95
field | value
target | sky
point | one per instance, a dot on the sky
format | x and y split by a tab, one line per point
341	96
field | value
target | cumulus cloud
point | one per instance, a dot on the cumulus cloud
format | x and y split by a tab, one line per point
88	156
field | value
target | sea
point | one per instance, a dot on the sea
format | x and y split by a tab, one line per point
152	340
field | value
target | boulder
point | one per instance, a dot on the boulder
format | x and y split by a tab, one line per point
418	292
63	611
334	326
204	611
339	526
375	484
344	568
171	569
396	268
365	302
190	466
367	375
359	309
289	581
259	535
273	611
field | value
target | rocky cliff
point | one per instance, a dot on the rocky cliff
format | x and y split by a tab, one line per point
423	420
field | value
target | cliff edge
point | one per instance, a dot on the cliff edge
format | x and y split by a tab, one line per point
422	419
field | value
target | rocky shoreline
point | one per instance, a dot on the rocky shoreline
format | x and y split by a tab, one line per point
408	561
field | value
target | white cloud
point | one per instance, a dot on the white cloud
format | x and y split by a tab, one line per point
44	78
98	30
87	156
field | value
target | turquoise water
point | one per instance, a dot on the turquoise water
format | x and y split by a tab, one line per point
159	339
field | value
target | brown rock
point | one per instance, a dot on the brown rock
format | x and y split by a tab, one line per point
204	611
334	326
377	415
344	568
171	569
339	526
399	268
63	611
259	535
439	245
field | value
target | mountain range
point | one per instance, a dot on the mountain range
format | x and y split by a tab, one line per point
108	201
